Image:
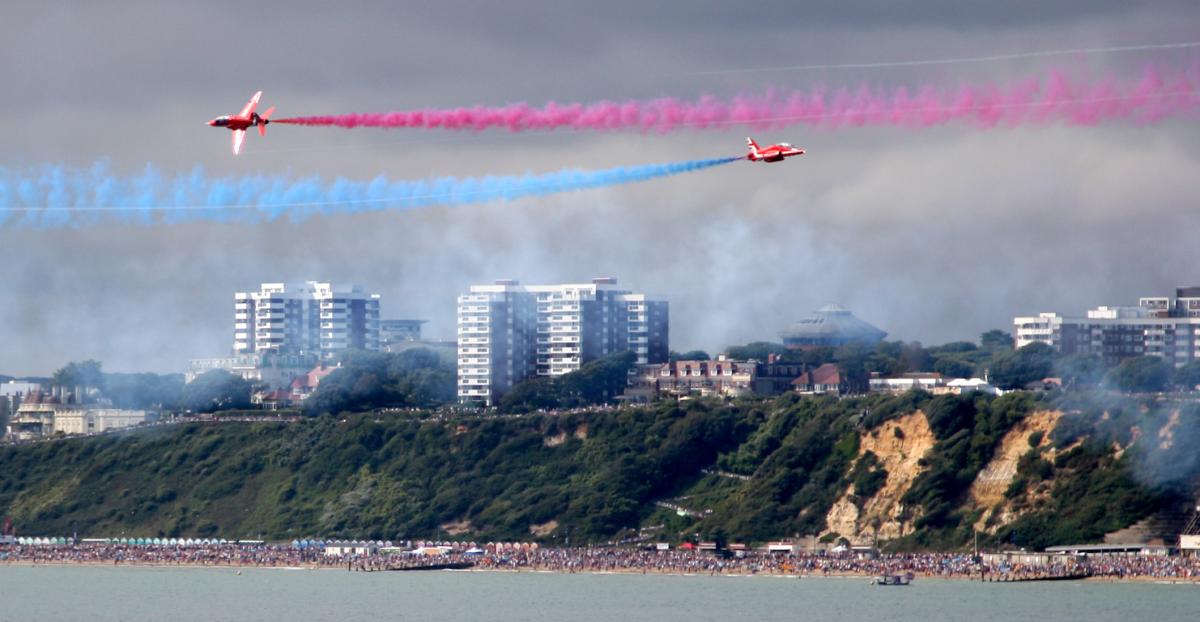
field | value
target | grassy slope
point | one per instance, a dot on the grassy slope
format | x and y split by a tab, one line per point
392	477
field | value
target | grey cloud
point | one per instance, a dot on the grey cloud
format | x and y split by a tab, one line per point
932	235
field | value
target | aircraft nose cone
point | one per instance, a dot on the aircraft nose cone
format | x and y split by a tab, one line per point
210	123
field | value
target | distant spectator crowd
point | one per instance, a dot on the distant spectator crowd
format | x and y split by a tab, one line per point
602	559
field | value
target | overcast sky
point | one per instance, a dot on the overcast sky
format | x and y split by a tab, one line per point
933	235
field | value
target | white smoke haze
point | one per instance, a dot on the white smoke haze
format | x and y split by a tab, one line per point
931	235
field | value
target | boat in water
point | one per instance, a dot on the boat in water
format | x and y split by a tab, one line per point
893	579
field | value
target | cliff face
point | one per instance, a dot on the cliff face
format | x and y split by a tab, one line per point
988	491
898	446
920	469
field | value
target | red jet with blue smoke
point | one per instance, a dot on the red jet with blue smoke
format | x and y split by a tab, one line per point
774	153
247	118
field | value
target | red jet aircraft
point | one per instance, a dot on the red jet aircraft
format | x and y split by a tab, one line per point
245	119
774	153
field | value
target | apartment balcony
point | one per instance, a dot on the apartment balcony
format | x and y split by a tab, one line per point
558	309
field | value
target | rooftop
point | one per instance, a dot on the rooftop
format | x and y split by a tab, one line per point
830	325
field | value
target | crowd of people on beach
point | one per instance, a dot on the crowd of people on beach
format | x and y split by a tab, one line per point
753	562
409	556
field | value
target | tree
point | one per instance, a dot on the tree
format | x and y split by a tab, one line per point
145	391
1187	377
79	374
914	357
597	382
691	355
1140	374
996	339
216	390
758	350
368	380
953	367
1013	370
852	359
1081	370
957	347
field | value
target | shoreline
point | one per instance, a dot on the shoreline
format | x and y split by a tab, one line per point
621	571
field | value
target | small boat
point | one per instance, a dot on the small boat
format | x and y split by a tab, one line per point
893	579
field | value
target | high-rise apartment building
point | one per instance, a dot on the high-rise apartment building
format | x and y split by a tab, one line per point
508	333
1163	326
310	318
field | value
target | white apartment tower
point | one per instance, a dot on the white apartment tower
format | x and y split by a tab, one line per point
1163	326
508	332
309	318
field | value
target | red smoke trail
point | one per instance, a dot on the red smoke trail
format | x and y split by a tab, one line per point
1053	99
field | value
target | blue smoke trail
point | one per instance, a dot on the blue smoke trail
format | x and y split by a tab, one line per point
60	196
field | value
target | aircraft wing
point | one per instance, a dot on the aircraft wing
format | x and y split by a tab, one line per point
238	137
245	113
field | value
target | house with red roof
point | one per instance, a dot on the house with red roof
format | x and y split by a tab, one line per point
826	379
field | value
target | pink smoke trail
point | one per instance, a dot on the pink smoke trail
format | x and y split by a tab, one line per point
1055	98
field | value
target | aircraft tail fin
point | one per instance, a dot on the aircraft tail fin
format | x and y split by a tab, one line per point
753	146
264	120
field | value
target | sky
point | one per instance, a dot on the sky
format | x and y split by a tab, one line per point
933	235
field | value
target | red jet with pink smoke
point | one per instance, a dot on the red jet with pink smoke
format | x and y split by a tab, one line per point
1055	98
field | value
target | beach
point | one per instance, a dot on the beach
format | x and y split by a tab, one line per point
609	560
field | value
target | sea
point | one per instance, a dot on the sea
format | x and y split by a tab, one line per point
132	594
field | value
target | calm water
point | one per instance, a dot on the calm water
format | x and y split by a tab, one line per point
134	594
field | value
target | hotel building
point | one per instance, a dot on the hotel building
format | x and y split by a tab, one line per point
1164	326
508	332
310	318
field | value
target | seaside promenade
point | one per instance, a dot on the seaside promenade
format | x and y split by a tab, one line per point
605	559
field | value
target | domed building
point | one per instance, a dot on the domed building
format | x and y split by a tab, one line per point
831	326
